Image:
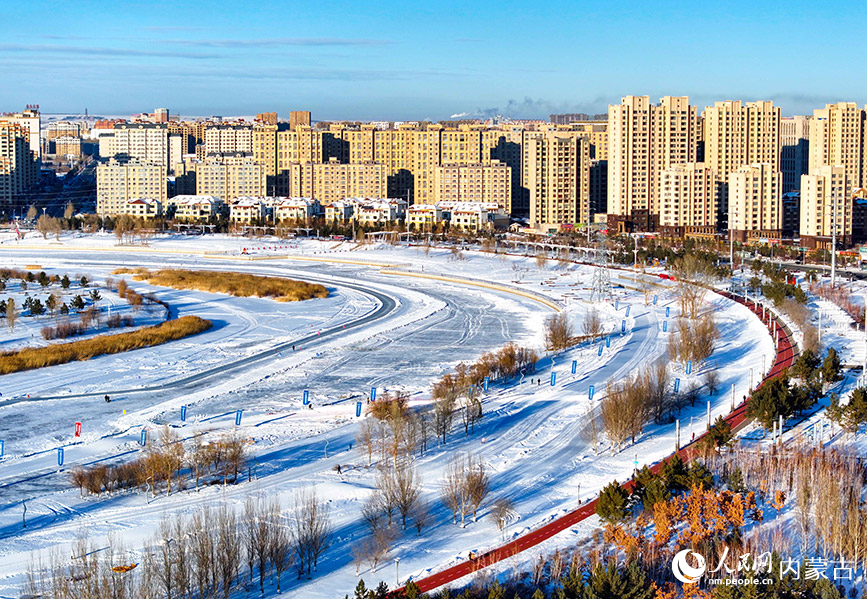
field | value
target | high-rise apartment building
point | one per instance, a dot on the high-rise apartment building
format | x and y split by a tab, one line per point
333	181
229	139
643	140
230	177
19	169
826	203
31	120
688	200
558	177
755	202
142	142
794	151
267	118
474	183
161	115
299	118
738	134
119	182
838	135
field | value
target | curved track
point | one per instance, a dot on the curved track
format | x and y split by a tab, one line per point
387	305
737	419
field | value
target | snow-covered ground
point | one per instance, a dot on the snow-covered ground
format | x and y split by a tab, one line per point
534	436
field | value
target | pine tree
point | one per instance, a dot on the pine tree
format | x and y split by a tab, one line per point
613	504
831	366
64	282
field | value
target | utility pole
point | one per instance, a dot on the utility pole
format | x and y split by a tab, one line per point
834	239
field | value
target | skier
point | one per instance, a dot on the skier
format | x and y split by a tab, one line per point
107	399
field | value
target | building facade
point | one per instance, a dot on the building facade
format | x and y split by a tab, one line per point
688	200
826	205
756	203
119	182
643	140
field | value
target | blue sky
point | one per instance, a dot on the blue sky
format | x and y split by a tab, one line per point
400	59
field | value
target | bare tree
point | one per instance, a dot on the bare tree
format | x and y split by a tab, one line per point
420	515
228	554
478	484
444	413
501	512
614	411
279	551
406	487
558	332
592	324
311	530
11	313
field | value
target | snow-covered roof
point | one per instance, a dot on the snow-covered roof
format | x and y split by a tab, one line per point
191	200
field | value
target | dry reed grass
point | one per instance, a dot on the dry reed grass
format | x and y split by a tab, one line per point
233	283
62	353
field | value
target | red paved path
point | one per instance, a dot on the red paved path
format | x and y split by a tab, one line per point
737	418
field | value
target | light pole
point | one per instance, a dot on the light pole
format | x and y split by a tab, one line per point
833	239
396	572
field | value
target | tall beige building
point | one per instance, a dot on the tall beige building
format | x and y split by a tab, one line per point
333	181
299	117
474	183
643	140
794	150
228	178
229	139
826	201
119	182
838	134
688	200
19	169
558	177
142	142
738	134
755	202
30	120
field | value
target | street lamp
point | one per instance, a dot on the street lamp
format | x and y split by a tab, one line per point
396	574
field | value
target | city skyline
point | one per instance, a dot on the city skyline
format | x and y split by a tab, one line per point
407	62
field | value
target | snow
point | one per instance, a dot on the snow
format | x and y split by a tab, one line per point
533	436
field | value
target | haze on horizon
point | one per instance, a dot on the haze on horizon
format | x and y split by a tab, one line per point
414	61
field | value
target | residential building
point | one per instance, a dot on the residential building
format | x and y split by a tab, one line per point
837	138
423	217
558	178
247	211
143	142
229	139
299	118
826	205
194	207
738	134
474	183
474	216
688	200
230	177
332	181
161	115
296	210
142	208
30	120
268	118
756	203
338	212
377	211
65	147
19	168
795	150
118	182
643	140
